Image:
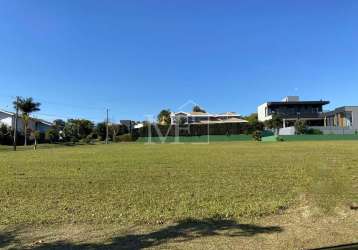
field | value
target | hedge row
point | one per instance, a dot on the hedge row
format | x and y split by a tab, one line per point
197	130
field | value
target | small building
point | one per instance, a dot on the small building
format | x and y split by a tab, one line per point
291	109
8	118
204	118
342	117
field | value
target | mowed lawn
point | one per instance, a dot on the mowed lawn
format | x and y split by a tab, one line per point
138	184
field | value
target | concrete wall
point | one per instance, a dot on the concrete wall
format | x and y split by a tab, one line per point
336	130
355	118
287	131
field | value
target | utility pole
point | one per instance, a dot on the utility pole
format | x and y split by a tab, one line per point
15	122
107	128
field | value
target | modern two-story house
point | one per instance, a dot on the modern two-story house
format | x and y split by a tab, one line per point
291	109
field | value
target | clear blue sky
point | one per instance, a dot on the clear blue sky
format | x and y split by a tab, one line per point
138	57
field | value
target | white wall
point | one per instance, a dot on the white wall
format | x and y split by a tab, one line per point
6	119
287	131
336	130
261	113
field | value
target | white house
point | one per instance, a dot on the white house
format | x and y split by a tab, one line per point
8	118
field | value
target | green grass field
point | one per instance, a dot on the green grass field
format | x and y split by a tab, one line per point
137	184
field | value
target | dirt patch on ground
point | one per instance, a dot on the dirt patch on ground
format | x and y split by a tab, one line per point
301	228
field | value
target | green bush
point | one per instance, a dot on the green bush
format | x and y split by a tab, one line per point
124	138
257	135
280	138
89	139
300	127
313	131
52	135
5	135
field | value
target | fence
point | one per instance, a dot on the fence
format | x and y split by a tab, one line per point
197	130
319	137
337	130
196	139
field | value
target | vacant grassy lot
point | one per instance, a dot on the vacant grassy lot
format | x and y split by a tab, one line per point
128	185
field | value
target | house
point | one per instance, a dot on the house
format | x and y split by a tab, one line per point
343	117
204	118
291	109
8	118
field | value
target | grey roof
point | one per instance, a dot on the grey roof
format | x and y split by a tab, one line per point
299	103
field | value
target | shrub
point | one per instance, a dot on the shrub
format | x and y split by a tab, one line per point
257	135
280	138
89	139
313	131
300	127
52	135
124	138
5	135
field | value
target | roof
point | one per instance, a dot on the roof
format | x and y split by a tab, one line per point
206	114
230	120
42	121
32	118
7	112
228	114
340	109
199	113
321	102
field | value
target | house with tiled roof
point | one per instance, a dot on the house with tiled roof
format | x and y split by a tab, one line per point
205	118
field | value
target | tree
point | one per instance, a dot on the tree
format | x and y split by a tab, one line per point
275	123
300	127
5	134
26	106
196	108
251	118
254	122
164	117
101	130
35	135
78	128
59	124
70	132
52	135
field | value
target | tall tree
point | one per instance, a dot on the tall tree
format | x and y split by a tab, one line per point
164	117
26	107
196	108
254	122
81	128
275	123
59	124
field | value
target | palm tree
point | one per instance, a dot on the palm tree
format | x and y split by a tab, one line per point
26	106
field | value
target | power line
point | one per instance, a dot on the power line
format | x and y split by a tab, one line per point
44	101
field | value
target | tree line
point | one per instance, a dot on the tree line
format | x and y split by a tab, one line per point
69	131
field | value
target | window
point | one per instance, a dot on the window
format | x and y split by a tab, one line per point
348	116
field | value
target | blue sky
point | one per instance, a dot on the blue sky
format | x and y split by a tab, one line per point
138	57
